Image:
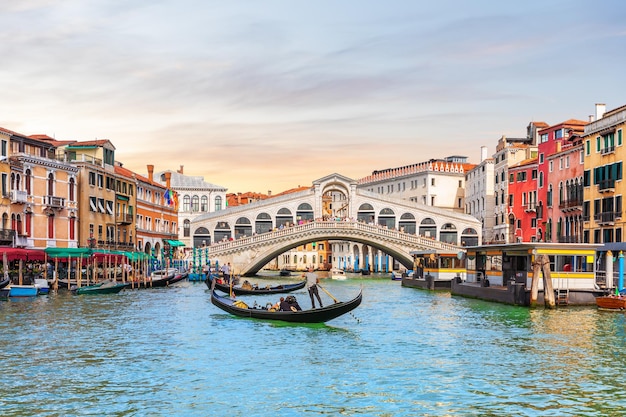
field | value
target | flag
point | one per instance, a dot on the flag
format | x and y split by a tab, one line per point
175	200
166	196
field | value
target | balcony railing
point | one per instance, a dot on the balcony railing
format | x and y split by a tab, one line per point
125	218
606	185
530	207
607	150
569	239
606	218
576	203
54	202
19	196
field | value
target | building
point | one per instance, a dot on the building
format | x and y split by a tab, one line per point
6	233
195	197
604	154
43	193
509	152
436	183
560	210
522	201
157	214
106	199
480	196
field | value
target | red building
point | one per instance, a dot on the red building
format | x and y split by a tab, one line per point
552	140
523	201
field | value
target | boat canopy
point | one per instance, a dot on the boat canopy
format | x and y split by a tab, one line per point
64	253
175	243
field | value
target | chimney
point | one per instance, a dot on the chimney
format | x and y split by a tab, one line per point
269	193
180	171
168	177
590	118
600	110
483	153
151	172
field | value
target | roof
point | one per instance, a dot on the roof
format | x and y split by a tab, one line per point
179	180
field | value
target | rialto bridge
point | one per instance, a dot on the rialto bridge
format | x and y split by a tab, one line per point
333	209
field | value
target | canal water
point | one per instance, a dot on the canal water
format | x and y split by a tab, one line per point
403	352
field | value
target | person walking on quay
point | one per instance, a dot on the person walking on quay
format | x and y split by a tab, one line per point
311	283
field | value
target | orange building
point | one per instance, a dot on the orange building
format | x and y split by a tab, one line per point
157	215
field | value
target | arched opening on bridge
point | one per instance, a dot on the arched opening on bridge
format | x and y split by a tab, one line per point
387	218
284	218
366	213
201	237
407	223
304	213
469	237
448	234
428	228
222	231
263	223
336	203
243	227
357	257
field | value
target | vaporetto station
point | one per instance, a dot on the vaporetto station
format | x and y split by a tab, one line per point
367	230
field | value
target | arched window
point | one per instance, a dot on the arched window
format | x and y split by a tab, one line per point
195	204
186	203
72	187
51	184
204	203
186	228
218	203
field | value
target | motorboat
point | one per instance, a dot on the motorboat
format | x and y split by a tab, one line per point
337	273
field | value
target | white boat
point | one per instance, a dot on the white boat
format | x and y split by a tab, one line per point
42	286
337	273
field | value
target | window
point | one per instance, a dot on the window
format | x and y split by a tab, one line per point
432	181
92	178
619	138
558	134
588	147
541	158
550	166
544	138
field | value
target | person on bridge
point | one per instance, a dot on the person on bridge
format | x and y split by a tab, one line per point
311	283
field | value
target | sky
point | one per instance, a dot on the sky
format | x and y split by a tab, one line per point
270	95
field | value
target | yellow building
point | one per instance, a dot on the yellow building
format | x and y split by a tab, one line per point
604	152
106	199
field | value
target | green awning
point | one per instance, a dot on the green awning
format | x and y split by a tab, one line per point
68	252
175	243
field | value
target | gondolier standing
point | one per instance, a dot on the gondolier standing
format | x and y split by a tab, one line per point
311	285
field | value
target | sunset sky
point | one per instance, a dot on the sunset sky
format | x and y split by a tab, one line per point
269	95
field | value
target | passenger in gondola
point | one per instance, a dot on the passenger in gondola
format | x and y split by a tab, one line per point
290	304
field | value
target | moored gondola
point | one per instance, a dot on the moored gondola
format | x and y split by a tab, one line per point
237	290
316	315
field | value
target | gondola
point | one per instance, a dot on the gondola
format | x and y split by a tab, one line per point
105	287
317	315
5	282
277	289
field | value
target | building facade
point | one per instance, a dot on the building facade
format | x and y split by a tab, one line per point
480	194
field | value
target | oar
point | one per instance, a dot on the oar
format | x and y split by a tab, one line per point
329	294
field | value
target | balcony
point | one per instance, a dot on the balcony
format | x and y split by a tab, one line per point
607	218
571	205
54	202
528	207
606	186
19	196
569	239
125	219
607	150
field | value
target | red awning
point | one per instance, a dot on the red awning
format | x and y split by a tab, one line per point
14	254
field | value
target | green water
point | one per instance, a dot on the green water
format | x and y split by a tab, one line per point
403	352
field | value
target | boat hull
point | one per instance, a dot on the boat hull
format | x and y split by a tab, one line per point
23	291
278	289
317	315
106	288
611	302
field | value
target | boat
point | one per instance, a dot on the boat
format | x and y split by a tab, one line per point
178	276
105	287
23	290
316	315
365	271
42	286
285	273
337	273
397	276
611	302
5	282
238	290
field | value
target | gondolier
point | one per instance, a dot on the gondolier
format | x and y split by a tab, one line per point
311	285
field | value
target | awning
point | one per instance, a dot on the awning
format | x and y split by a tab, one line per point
23	254
64	253
175	243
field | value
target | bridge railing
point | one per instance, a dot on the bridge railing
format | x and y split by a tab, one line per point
334	225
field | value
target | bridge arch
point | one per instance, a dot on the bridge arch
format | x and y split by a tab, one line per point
263	223
201	237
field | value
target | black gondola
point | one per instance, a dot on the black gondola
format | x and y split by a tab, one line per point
285	273
277	289
5	282
317	315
